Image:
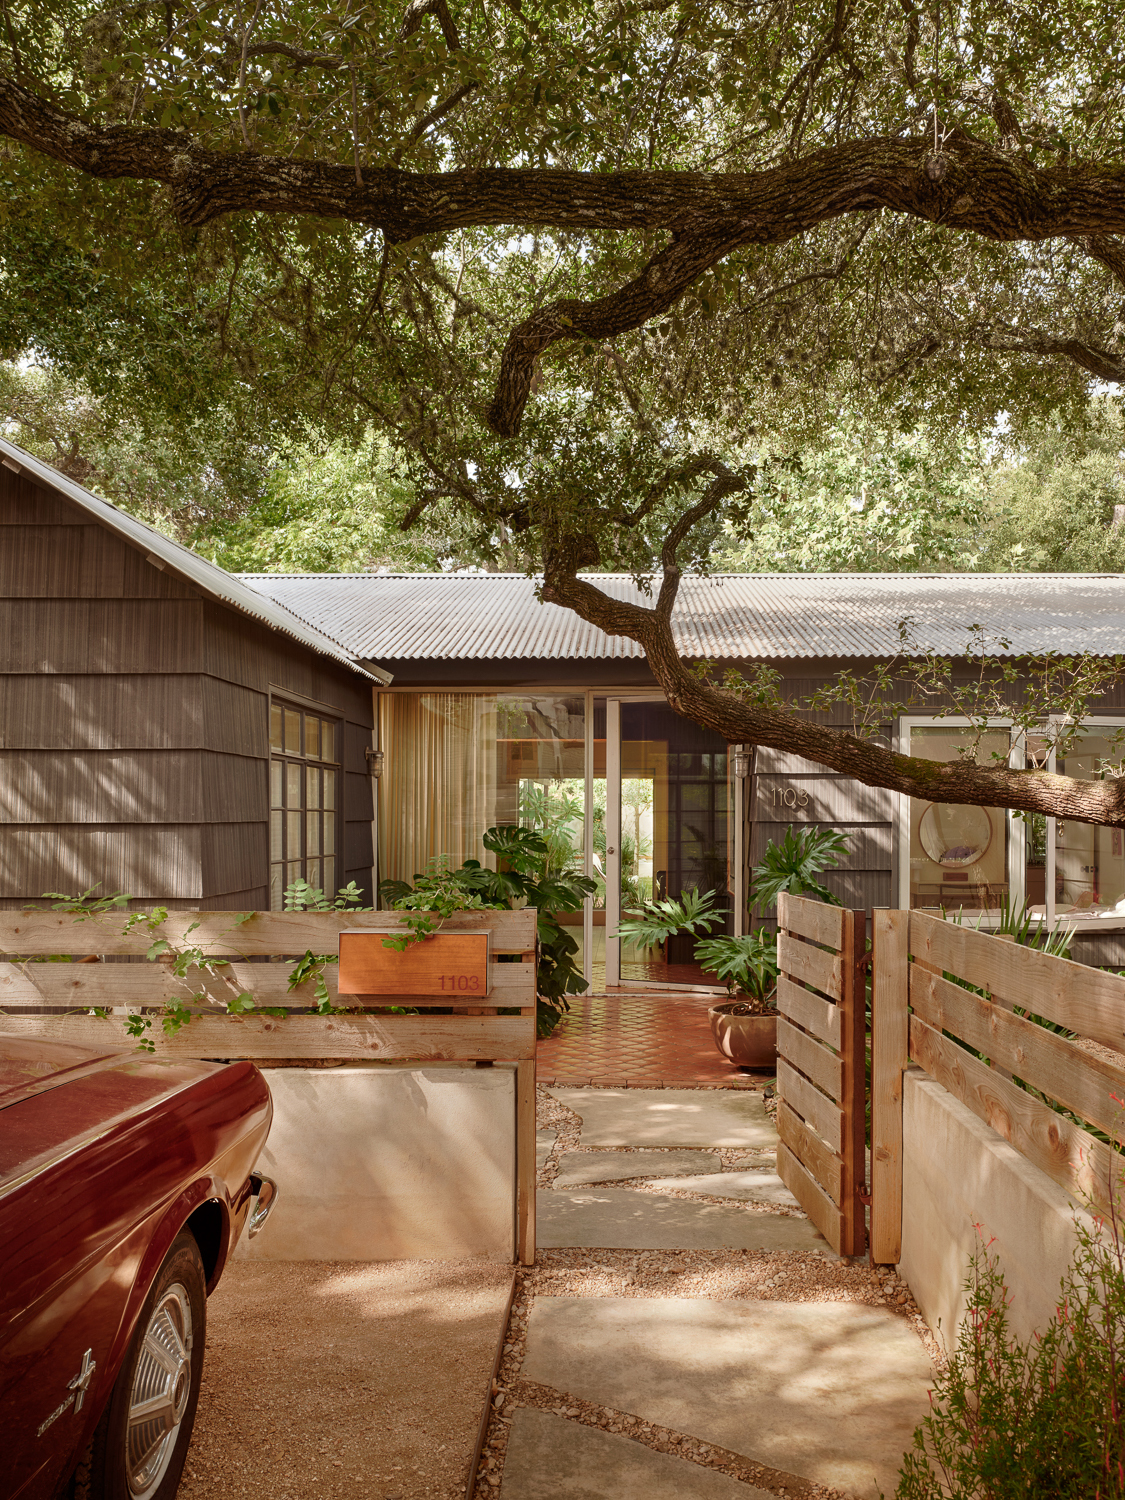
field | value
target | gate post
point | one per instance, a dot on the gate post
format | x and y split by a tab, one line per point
890	1054
853	1039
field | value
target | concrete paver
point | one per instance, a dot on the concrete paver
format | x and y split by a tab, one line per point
828	1390
623	1219
577	1167
670	1117
544	1140
746	1187
550	1458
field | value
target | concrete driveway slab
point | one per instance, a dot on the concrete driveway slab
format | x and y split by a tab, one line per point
577	1167
670	1117
550	1458
828	1390
624	1219
746	1187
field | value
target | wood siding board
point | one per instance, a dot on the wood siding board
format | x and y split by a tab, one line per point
830	800
151	862
237	719
1082	1165
358	802
235	858
869	844
236	788
1084	1000
102	712
359	850
49	932
61	562
25	503
101	786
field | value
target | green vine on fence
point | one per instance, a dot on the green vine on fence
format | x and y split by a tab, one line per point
184	959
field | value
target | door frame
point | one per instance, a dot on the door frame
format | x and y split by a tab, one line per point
613	849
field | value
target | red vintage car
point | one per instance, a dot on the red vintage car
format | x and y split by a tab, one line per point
125	1182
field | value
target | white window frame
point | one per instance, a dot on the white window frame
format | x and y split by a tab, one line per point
1076	920
1016	828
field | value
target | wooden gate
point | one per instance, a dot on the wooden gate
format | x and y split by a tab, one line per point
821	1044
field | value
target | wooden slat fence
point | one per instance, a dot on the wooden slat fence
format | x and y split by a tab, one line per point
52	1000
977	1047
821	1043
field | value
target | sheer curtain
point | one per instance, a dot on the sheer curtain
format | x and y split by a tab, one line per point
438	789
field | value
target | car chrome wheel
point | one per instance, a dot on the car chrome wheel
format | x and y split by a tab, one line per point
160	1394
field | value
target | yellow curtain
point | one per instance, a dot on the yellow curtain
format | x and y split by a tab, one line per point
438	789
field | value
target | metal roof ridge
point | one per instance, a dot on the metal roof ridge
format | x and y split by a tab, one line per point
188	564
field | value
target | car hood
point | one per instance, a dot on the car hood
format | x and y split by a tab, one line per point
88	1087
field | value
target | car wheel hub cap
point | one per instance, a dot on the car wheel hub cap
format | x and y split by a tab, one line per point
161	1388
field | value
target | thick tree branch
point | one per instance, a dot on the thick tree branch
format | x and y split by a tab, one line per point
979	190
1110	252
740	722
1103	363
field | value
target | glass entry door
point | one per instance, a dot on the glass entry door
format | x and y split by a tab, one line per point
668	833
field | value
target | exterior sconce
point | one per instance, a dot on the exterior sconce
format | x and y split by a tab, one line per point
374	762
740	763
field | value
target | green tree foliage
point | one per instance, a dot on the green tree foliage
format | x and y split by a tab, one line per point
868	499
1055	507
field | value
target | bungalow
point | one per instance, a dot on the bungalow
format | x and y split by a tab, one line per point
190	736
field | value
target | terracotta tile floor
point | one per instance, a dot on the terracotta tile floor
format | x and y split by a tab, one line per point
636	1040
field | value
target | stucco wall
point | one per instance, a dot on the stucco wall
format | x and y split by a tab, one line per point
956	1172
390	1162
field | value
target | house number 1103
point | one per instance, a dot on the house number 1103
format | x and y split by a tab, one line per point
460	982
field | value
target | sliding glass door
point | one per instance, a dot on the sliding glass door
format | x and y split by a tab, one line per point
668	835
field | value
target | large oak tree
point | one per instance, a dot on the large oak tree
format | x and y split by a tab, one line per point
589	262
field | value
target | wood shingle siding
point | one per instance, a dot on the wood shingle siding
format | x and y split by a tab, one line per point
134	720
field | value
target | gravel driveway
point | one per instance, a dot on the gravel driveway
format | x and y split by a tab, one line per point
347	1380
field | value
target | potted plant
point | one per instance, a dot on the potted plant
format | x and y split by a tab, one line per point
744	1027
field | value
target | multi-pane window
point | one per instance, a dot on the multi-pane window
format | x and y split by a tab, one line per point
304	781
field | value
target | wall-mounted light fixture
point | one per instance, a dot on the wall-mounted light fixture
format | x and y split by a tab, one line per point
374	763
740	763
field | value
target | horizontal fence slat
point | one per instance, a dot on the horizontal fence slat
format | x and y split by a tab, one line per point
810	1150
1076	1160
811	919
356	1038
264	933
812	1198
815	1061
1084	1083
821	1113
825	971
1081	998
54	984
819	1016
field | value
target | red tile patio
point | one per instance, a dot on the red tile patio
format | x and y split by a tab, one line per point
630	1039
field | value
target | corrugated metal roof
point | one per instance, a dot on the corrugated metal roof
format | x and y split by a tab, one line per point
764	616
228	588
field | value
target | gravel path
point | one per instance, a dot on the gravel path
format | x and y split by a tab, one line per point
344	1380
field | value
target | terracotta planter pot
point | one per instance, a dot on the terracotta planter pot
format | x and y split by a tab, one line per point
749	1041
